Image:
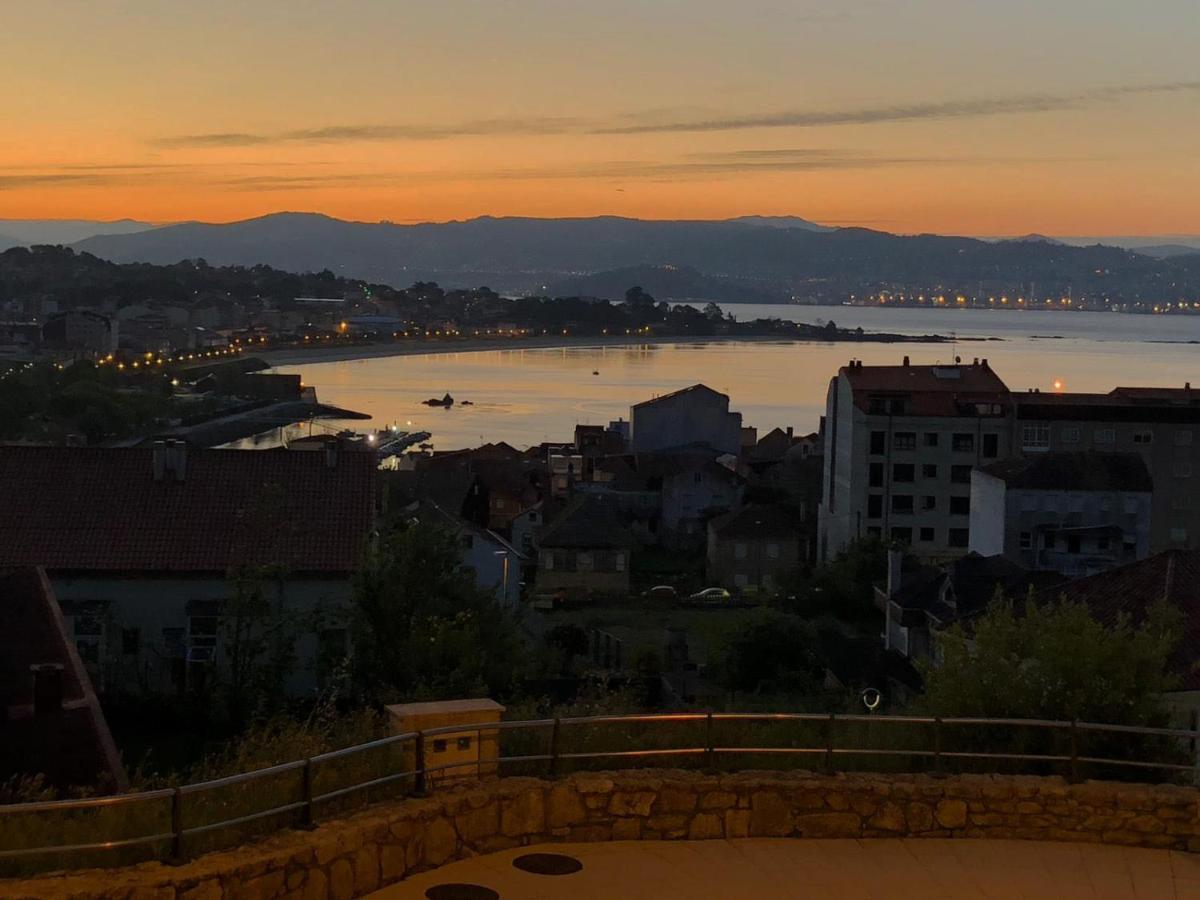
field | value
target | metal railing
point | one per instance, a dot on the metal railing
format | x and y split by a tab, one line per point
174	824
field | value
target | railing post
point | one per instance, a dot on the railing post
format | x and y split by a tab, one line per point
709	752
937	743
419	781
829	742
1074	752
554	746
306	814
176	827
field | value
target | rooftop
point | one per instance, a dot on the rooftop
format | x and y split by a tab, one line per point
698	389
103	510
937	390
755	522
1062	471
589	521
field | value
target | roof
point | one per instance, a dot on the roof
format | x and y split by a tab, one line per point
70	744
694	389
755	523
1132	589
101	510
933	390
1121	404
964	588
588	522
1063	471
430	513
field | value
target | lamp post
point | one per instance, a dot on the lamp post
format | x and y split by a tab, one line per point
504	582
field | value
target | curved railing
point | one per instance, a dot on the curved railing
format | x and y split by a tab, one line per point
175	823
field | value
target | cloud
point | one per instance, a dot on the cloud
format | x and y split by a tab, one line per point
952	109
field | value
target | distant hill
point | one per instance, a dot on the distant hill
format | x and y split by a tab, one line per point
526	256
6	242
64	231
780	222
1164	251
1035	239
675	285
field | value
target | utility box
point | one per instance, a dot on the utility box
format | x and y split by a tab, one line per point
454	755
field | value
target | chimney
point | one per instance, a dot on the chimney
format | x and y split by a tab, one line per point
789	432
159	460
179	460
47	688
906	362
331	454
895	560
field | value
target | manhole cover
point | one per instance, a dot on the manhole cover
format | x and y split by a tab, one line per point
460	892
548	864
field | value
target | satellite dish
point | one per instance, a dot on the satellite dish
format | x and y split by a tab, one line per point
871	698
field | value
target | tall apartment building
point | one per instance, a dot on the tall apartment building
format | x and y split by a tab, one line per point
900	444
1162	425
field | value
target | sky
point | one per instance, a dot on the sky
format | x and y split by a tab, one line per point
990	118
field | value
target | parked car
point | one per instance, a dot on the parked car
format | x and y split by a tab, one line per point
662	592
711	595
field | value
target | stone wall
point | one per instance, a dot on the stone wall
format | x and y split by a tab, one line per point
352	857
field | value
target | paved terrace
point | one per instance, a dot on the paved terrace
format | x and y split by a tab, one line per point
805	870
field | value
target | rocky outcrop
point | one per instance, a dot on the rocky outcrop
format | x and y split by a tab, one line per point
355	856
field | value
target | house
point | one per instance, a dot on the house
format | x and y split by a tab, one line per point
49	714
918	605
1074	513
140	545
1131	591
81	331
495	563
754	550
696	415
694	490
900	444
585	549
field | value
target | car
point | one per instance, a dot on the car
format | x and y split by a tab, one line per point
711	595
662	592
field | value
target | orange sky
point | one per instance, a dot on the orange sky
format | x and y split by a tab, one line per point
927	115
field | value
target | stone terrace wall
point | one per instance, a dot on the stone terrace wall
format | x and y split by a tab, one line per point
352	857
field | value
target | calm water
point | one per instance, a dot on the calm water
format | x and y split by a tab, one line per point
527	396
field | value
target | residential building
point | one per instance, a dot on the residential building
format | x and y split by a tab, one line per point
49	713
496	565
694	489
142	546
696	415
900	444
1073	513
585	550
754	550
1162	425
82	331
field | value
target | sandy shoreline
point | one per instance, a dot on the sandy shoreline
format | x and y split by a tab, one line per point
297	357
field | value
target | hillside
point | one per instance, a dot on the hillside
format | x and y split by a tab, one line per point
64	231
520	255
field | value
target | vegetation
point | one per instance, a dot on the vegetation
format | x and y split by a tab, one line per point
770	652
844	586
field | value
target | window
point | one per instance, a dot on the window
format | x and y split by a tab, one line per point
991	446
1026	540
1180	501
1069	435
772	551
878	443
533	517
875	506
1072	543
1183	438
698	477
131	641
905	473
875	475
887	406
1105	436
1143	437
464	743
548	560
963	443
927	535
202	631
929	470
1182	470
929	503
960	474
739	551
902	503
499	503
1179	535
439	745
960	537
960	506
174	642
1048	540
905	440
930	439
620	562
903	535
1035	437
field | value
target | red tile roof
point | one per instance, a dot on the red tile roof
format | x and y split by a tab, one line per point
934	390
93	509
696	388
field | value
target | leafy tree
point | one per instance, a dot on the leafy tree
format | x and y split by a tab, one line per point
770	651
844	586
1054	662
567	641
421	625
713	313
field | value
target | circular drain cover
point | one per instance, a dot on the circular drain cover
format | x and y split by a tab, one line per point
460	892
548	864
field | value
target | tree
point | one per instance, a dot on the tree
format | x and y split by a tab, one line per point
844	586
769	652
567	641
1054	662
421	626
713	313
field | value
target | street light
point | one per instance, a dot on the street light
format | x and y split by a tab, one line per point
504	583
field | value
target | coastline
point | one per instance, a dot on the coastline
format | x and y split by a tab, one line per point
297	356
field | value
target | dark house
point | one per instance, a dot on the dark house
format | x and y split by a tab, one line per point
585	549
754	550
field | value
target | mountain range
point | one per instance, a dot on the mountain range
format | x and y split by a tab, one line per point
17	232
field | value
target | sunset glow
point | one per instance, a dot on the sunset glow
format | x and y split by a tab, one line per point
1069	118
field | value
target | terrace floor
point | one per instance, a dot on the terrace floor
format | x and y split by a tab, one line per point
787	869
